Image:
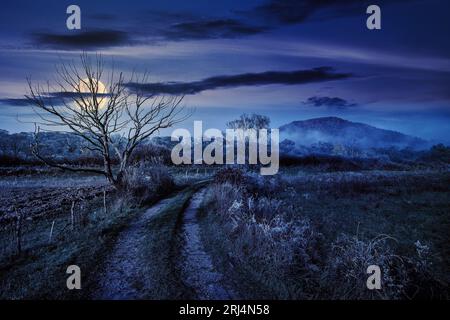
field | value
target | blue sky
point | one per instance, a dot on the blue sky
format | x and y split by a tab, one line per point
290	60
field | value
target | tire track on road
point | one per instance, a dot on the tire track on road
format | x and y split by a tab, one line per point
196	265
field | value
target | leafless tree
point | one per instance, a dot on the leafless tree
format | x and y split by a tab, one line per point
252	121
247	123
110	118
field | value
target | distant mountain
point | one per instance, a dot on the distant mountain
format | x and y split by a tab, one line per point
337	131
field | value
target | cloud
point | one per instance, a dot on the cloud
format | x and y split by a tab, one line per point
211	29
224	81
53	98
245	79
194	29
158	26
297	11
268	16
285	12
15	102
83	40
329	102
265	17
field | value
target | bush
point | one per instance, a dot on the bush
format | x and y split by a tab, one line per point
263	240
152	153
348	261
438	153
231	175
147	183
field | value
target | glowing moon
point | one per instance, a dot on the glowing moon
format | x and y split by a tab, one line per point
84	85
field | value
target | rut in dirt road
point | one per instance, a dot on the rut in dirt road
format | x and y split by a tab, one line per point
197	269
122	276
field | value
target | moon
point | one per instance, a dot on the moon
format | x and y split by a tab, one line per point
83	87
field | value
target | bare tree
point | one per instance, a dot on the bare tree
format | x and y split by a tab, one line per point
247	123
252	121
111	119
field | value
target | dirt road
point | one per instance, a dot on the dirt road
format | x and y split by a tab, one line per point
197	268
123	276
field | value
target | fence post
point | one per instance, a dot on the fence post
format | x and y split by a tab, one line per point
51	232
72	218
104	201
19	232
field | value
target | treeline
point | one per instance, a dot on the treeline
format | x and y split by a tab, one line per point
67	148
15	149
385	159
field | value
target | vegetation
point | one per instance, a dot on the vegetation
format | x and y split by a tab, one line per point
83	234
39	271
309	236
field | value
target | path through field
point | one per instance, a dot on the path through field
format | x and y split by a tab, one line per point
197	269
123	276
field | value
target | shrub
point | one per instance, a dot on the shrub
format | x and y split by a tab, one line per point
401	277
348	261
231	175
438	153
147	183
262	239
150	153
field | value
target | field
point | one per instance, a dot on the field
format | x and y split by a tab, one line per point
302	234
308	235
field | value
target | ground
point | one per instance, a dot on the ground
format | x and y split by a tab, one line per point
182	245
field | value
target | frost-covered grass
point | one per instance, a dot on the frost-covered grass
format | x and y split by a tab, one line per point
313	235
39	271
51	181
186	175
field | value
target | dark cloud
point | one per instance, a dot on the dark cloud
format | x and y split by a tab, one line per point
54	98
19	102
83	40
268	16
224	81
297	11
210	29
175	31
246	79
279	12
329	102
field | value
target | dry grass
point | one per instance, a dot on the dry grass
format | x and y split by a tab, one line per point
293	254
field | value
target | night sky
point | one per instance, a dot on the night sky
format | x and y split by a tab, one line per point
289	60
